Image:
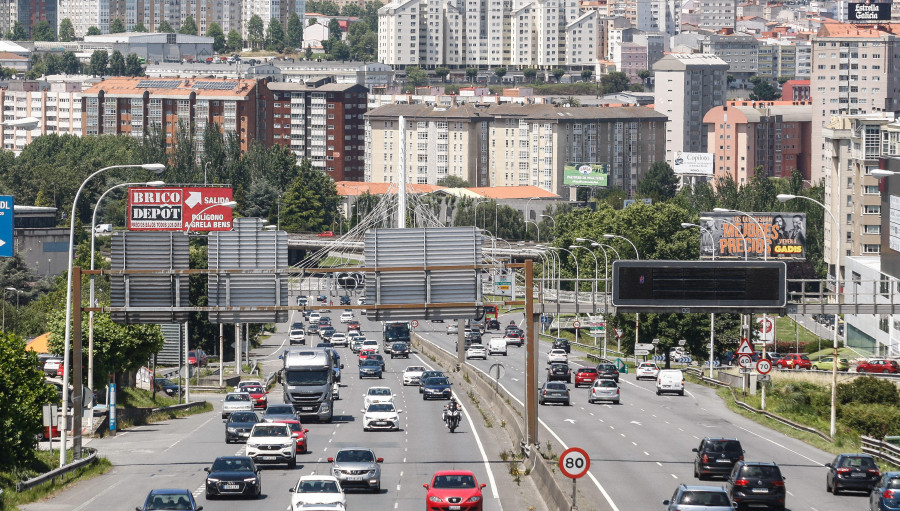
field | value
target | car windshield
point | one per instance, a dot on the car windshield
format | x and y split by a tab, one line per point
381	407
237	397
606	367
727	446
559	368
243	417
705	498
760	472
556	386
269	430
605	383
232	465
379	392
354	456
804	357
294	426
254	390
280	410
168	501
317	487
437	380
415	369
370	362
315	377
164	381
454	481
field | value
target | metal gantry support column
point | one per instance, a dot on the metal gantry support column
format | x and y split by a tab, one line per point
77	377
531	358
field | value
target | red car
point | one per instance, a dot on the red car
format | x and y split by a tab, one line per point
299	433
585	376
364	354
353	325
794	361
259	396
198	356
326	234
878	365
456	490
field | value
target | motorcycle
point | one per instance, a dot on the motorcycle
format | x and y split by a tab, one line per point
451	418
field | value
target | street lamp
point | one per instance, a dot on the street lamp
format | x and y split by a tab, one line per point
611	236
154	167
90	375
577	271
536	226
637	315
596	270
553	219
784	197
712	315
594	244
4	304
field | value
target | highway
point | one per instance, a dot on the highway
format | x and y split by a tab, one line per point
640	450
174	453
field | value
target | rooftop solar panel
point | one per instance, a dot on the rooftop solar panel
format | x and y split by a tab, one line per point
159	84
216	85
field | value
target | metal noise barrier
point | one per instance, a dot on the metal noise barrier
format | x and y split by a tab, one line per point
424	247
138	250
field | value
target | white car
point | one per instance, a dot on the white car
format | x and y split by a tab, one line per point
377	395
297	336
314	490
236	402
476	351
412	375
381	416
370	344
346	317
557	355
647	370
340	339
272	443
314	317
670	380
452	329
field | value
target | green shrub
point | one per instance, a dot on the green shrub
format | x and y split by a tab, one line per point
868	390
876	421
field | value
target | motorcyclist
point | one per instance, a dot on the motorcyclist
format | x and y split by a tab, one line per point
451	406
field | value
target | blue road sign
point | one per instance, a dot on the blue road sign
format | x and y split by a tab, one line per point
546	319
6	225
112	408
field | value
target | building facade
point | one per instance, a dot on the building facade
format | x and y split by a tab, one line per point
795	90
717	14
35	108
739	51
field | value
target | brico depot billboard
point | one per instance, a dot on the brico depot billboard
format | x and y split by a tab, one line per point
179	209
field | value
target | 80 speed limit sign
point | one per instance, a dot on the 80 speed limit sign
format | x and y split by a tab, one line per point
574	462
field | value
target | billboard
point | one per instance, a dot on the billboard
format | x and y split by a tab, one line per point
586	174
179	209
700	164
783	235
866	12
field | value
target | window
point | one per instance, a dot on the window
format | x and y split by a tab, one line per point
872	210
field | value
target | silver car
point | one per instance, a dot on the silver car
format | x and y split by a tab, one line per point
699	498
357	467
604	390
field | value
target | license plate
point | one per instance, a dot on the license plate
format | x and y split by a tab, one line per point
381	423
245	434
269	458
723	460
308	408
857	474
760	490
455	508
231	487
354	478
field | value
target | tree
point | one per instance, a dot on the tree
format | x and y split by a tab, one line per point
117	64
636	87
69	63
275	36
255	31
165	28
763	90
500	72
558	73
363	42
530	74
613	82
92	30
308	53
784	79
66	30
140	27
99	62
416	77
659	183
352	11
334	29
42	31
471	73
215	31
586	74
117	26
18	32
234	40
310	203
294	36
133	66
24	393
645	75
189	26
453	182
442	73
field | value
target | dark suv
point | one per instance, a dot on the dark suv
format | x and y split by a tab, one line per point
562	344
852	472
754	482
400	349
608	371
716	457
559	371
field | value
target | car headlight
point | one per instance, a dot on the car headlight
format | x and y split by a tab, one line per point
326	407
287	445
435	499
474	499
252	445
232	430
212	480
250	480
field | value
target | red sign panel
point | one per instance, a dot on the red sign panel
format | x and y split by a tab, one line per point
179	209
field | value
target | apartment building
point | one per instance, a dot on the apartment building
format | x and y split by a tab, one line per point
717	14
739	51
26	12
134	106
584	38
772	136
513	145
33	108
323	122
795	90
267	10
776	59
688	86
657	15
88	13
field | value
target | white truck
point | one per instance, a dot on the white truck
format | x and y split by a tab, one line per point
307	379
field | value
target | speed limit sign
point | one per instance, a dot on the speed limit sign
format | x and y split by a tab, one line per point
574	462
414	323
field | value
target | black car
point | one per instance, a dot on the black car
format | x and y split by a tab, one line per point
493	324
166	385
233	475
321	299
238	426
164	499
511	326
313	328
562	344
716	457
400	349
559	371
852	472
428	374
345	300
326	332
607	370
554	392
297	324
754	482
436	387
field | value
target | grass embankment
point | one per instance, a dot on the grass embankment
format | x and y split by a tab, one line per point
131	397
44	462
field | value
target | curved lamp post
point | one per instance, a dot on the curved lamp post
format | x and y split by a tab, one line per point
784	197
577	271
536	227
596	269
154	167
712	315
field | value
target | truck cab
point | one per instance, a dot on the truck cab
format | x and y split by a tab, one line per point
307	378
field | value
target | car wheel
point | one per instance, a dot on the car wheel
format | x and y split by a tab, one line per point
567	403
815	368
377	489
860	370
657	392
827	486
541	402
681	393
696	474
835	490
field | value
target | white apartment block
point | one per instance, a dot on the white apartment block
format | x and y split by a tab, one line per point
583	40
227	13
85	14
268	10
399	26
659	16
32	109
717	14
688	86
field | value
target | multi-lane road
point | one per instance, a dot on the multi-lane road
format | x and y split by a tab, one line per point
640	449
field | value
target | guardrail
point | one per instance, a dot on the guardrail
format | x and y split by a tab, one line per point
58	472
182	406
885	451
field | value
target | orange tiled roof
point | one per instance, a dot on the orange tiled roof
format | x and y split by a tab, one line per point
512	192
853	30
178	87
797	82
354	188
39	344
5	55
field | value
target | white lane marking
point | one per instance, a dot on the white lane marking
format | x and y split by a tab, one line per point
782	446
192	432
199	490
658	463
674	476
633	443
646	453
87	504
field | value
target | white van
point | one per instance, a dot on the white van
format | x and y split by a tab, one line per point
497	345
670	380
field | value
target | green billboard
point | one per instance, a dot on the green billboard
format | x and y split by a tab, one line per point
586	174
